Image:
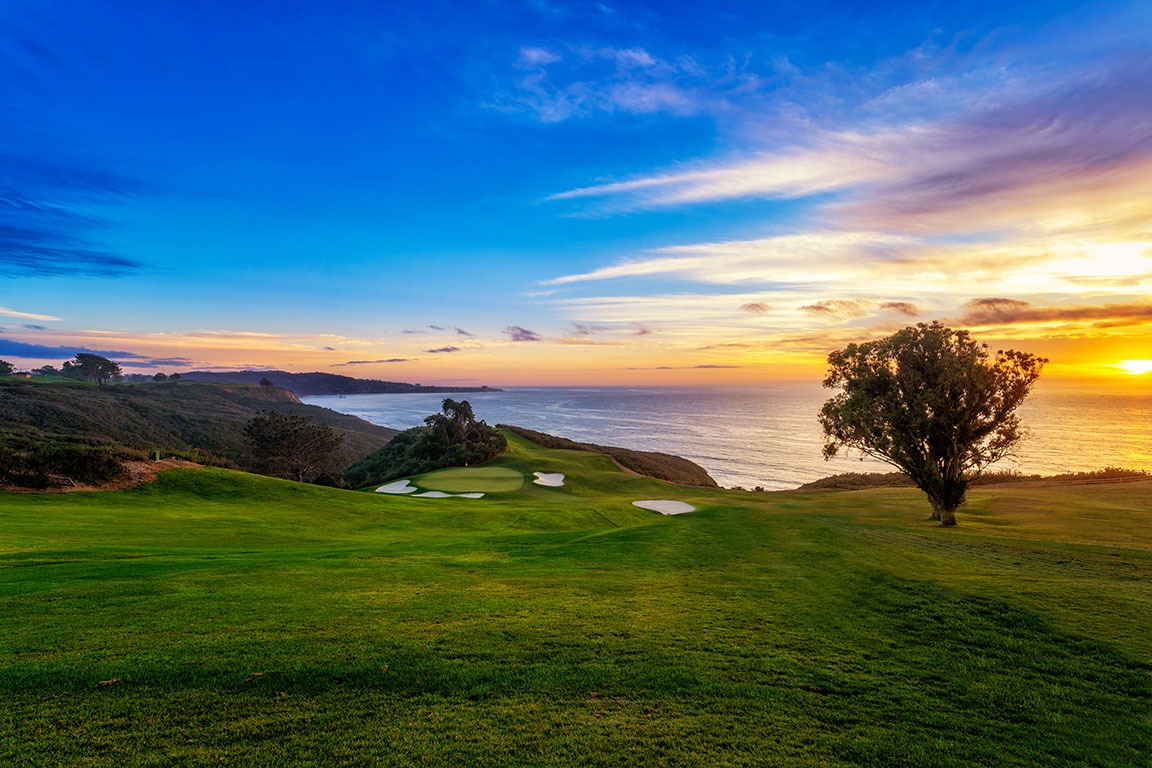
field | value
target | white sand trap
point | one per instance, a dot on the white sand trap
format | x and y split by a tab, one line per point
400	486
553	479
442	495
665	506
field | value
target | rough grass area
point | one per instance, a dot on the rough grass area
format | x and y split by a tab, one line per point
185	417
218	618
466	479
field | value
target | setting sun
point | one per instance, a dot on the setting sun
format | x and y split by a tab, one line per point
1136	367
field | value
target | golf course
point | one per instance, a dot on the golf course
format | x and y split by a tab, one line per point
214	617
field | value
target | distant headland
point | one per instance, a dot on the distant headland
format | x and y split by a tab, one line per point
316	383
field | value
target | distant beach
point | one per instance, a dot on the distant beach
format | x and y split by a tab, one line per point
768	436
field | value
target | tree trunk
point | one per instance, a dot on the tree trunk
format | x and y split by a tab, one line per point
947	516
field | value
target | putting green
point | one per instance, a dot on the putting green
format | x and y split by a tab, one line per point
466	479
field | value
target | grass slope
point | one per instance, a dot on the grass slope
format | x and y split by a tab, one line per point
168	416
217	618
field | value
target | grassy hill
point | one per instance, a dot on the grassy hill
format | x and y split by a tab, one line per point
316	383
167	416
215	617
662	466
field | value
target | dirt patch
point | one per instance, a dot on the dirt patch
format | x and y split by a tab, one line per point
137	472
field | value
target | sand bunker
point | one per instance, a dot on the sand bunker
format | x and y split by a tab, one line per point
404	486
400	486
665	506
553	479
442	495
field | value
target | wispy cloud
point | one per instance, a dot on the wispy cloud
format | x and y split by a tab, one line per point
442	350
1072	154
1002	312
373	362
26	315
22	349
517	333
839	309
559	83
45	226
815	257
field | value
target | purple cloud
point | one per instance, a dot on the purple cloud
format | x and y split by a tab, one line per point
522	334
372	362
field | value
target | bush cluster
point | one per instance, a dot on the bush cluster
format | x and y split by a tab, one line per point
419	450
40	464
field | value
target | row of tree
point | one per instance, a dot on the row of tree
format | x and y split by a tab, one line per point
87	366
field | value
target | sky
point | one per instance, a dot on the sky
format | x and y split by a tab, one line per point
508	192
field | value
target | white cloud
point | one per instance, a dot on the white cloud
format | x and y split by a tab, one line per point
26	315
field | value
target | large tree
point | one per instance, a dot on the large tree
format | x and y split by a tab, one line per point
6	368
92	368
290	445
930	401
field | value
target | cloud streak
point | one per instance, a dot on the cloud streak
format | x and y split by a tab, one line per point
42	228
22	349
1075	153
517	333
1002	311
26	315
372	362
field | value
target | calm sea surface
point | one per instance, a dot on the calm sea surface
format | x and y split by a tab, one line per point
768	435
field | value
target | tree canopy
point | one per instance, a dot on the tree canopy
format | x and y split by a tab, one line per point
451	438
290	445
91	367
930	401
6	368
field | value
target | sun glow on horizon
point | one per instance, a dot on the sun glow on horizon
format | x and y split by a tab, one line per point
1135	367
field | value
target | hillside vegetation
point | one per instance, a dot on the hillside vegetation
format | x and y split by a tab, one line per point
166	416
214	617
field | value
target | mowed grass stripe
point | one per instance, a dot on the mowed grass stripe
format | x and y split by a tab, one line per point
258	622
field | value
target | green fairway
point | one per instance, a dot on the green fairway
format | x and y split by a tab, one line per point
218	618
465	479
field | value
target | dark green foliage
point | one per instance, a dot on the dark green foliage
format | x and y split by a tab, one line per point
166	416
42	464
661	466
452	438
931	402
6	368
88	367
291	445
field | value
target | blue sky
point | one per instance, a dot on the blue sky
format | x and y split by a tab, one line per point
520	192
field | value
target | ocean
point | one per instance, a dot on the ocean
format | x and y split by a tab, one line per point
768	436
